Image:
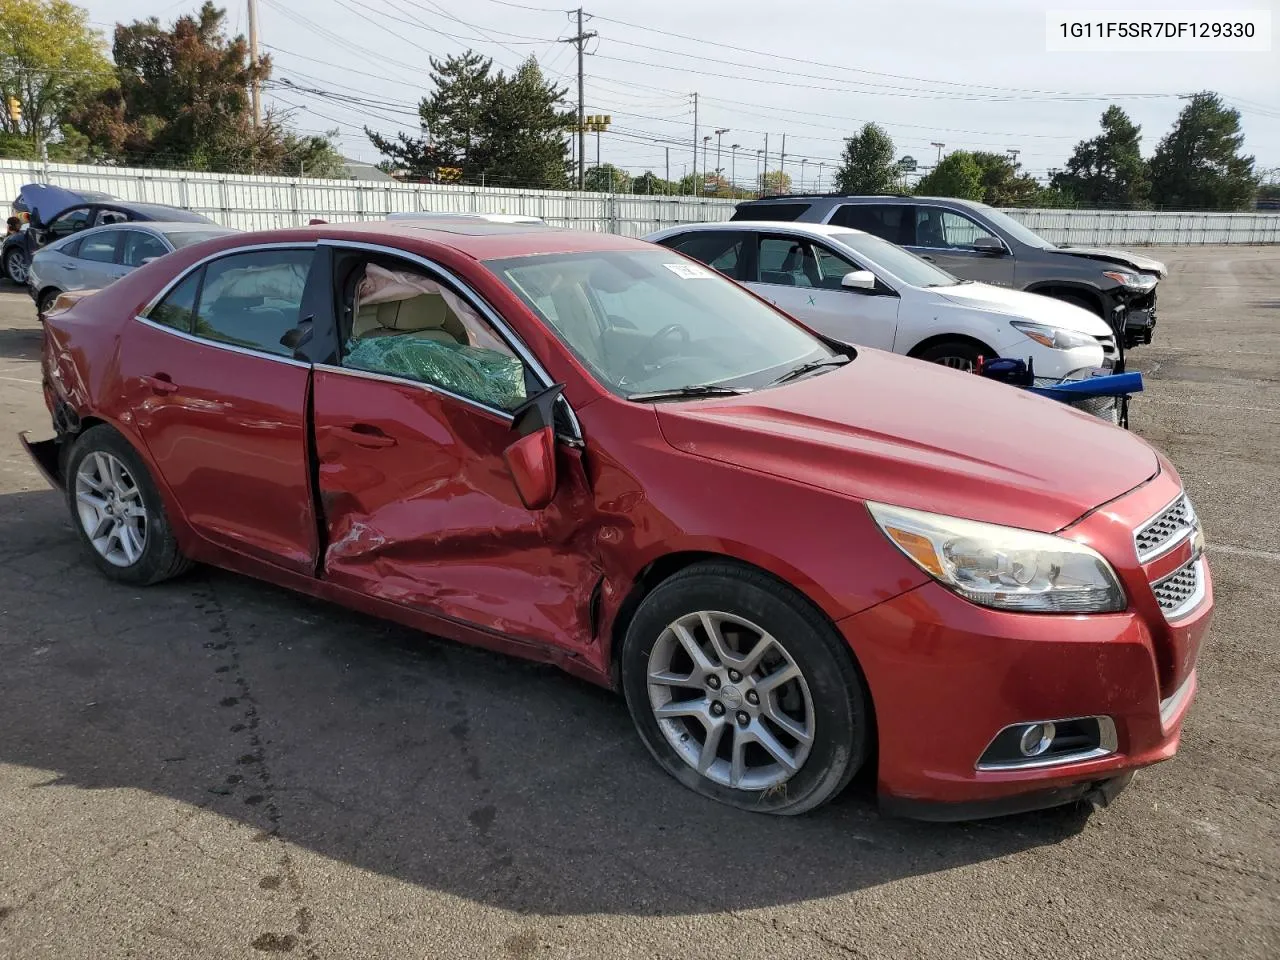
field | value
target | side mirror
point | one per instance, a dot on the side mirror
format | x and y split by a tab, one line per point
990	246
858	280
532	458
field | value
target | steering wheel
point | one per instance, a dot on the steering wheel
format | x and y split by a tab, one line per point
644	354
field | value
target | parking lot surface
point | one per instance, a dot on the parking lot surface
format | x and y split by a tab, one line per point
217	768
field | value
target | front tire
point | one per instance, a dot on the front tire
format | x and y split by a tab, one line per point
117	510
956	354
46	301
743	692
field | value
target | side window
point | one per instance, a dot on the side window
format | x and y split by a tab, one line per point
718	249
406	324
787	262
894	222
110	216
832	267
946	230
100	247
777	212
178	308
138	246
71	249
251	299
73	221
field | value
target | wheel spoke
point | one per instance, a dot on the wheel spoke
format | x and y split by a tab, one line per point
701	662
753	656
791	727
684	708
116	474
767	740
135	511
711	746
667	678
776	679
133	493
738	763
128	541
104	528
97	503
712	628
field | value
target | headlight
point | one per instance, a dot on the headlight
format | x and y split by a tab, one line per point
1133	281
1003	567
1055	338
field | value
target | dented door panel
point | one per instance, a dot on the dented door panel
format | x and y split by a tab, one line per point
420	509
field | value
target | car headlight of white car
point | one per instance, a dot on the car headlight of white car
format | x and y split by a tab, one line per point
1056	338
1003	567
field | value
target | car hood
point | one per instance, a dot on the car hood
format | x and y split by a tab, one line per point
44	202
1028	306
900	431
1123	257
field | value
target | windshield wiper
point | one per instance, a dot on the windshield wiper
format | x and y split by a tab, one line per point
837	361
693	390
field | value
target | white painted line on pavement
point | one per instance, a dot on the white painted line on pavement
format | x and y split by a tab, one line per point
1147	398
20	380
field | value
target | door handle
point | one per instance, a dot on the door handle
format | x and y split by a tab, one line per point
69	266
363	435
161	384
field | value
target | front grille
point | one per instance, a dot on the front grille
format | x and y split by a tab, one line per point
1169	527
1180	591
1104	408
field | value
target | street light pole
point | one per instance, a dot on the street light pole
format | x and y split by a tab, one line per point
706	146
759	153
803	161
820	166
939	146
733	165
719	134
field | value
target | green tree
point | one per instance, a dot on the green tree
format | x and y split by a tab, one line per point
650	183
1002	183
867	166
312	155
607	178
774	182
1198	165
52	63
958	175
1108	171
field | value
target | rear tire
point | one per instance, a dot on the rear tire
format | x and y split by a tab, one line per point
15	266
46	301
956	354
793	719
117	511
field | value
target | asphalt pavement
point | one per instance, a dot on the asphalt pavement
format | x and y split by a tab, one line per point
218	768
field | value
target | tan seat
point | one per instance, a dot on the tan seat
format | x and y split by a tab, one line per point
426	315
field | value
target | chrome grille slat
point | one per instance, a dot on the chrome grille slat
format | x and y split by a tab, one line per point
1168	527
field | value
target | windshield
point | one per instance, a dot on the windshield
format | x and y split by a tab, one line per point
903	264
645	321
1014	229
185	238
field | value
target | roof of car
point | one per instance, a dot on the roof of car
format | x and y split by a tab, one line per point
854	198
480	240
157	211
773	226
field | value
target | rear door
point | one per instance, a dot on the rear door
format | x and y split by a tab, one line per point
411	421
221	402
803	277
98	261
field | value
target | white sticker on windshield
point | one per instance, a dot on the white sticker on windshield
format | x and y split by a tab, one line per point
688	271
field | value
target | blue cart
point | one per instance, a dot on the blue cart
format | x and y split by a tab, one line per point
1104	394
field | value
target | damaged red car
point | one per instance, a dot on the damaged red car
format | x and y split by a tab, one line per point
793	557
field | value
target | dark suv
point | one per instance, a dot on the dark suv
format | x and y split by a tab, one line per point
978	242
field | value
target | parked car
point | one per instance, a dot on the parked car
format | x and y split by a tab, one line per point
56	213
978	242
101	255
790	555
857	288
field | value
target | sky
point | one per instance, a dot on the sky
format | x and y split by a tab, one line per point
972	74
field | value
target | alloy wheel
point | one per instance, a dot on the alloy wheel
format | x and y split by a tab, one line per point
16	267
957	363
112	513
730	700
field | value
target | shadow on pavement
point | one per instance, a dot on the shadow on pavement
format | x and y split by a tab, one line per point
494	780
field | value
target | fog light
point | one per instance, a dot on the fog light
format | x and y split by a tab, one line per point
1036	739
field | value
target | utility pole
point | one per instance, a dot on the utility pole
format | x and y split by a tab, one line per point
719	134
667	182
766	164
580	41
1013	155
256	89
803	161
733	165
939	146
696	191
820	166
758	181
706	146
782	160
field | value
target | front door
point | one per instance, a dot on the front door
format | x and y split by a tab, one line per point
947	238
411	422
97	263
221	404
802	277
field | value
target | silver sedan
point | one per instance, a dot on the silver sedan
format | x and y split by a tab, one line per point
93	258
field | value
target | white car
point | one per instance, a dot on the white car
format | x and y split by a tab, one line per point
860	289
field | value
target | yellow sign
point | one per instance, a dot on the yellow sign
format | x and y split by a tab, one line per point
15	109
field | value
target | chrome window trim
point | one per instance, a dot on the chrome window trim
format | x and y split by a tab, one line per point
482	307
209	258
230	347
1188	605
1174	541
1108	744
139	226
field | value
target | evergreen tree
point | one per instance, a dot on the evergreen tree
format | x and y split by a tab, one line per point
1198	166
867	166
1108	171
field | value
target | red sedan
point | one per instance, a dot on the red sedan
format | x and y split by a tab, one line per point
792	557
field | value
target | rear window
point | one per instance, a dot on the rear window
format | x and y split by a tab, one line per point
776	212
894	222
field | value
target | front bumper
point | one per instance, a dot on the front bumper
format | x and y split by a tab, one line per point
946	675
1140	320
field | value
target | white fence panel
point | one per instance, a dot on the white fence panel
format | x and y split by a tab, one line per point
263	203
